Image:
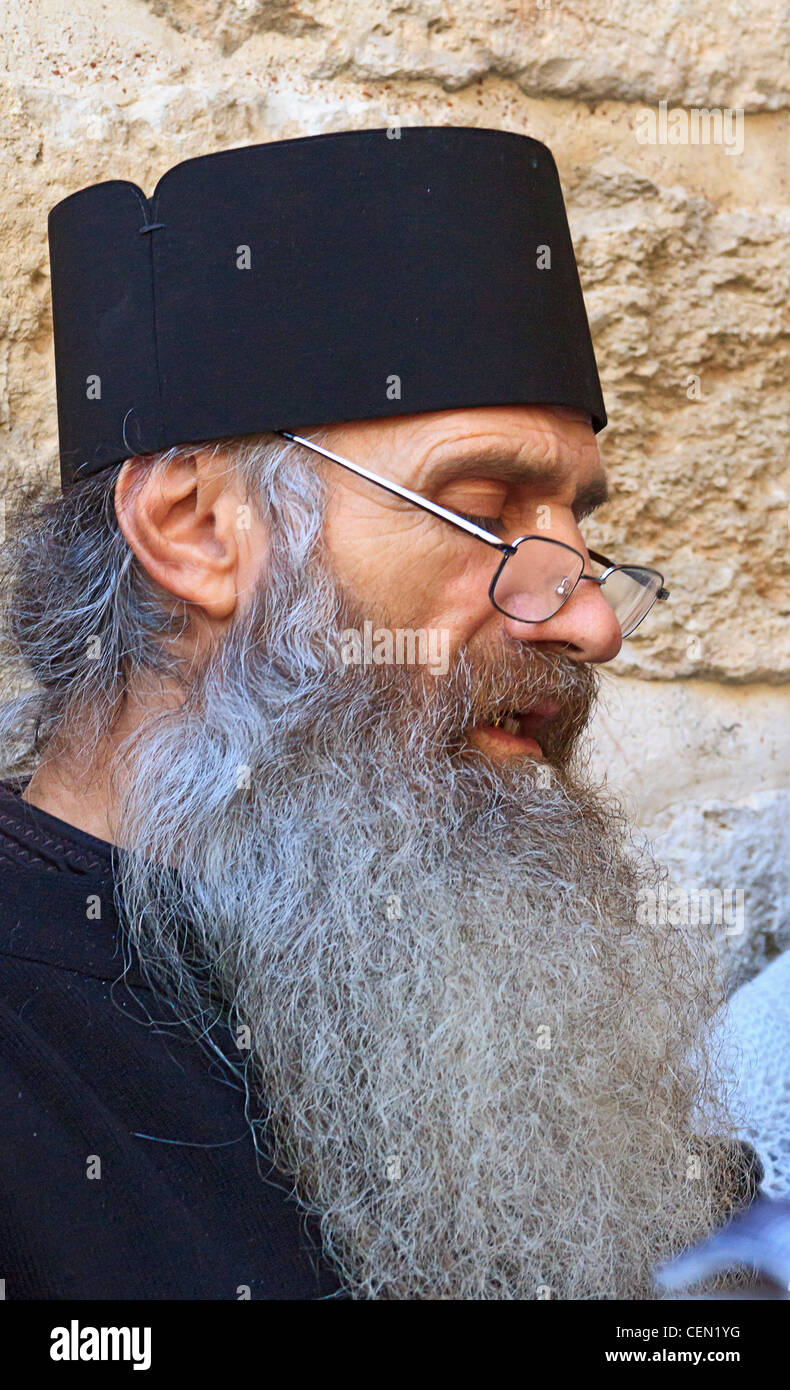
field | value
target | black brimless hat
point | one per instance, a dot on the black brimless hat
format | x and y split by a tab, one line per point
302	282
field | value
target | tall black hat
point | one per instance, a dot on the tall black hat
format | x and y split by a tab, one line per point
301	282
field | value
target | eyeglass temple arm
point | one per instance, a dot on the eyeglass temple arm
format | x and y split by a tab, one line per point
404	492
610	565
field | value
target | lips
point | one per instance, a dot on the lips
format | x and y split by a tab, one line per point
514	731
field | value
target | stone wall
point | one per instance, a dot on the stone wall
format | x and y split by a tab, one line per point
683	253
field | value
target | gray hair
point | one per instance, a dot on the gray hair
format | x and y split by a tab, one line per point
80	612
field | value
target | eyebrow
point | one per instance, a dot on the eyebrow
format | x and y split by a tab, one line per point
484	464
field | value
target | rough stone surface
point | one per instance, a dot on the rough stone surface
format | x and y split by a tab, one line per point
682	251
703	770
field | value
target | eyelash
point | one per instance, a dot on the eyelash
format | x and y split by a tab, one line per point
487	522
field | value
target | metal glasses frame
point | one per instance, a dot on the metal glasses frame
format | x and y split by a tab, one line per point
506	548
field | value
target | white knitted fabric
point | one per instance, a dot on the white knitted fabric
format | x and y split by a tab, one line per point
755	1029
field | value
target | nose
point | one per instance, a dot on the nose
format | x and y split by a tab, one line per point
584	628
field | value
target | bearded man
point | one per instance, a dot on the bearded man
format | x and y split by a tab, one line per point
323	967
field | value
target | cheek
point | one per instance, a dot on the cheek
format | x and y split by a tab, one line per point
413	574
448	594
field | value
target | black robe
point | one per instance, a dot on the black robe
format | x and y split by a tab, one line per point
127	1167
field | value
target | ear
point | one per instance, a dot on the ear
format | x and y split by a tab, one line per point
183	523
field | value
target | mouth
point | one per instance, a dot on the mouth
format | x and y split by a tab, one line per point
514	732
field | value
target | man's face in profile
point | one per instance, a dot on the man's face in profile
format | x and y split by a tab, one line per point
479	1066
514	470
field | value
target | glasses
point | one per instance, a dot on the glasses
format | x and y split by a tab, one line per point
536	575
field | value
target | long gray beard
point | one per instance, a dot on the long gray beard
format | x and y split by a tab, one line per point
456	1037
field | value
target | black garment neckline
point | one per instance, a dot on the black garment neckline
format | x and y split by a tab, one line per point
60	870
39	835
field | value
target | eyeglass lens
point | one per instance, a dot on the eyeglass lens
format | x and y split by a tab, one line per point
631	592
535	581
